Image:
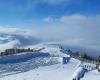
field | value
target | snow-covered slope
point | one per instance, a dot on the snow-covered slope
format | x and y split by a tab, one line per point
46	65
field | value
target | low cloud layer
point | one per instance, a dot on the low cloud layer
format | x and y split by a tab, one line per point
73	26
76	30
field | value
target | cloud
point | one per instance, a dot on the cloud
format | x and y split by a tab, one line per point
17	37
10	44
76	30
50	19
19	31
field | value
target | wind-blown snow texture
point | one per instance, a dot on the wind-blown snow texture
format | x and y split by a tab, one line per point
48	64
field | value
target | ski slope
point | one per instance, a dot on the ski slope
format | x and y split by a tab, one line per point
45	65
48	64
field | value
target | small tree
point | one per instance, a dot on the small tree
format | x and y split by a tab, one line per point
85	55
98	59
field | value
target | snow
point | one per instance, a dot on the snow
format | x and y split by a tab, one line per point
88	66
79	73
58	71
47	64
52	72
22	57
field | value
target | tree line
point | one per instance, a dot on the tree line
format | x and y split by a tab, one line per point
14	51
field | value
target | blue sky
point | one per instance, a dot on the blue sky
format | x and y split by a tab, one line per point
76	22
30	13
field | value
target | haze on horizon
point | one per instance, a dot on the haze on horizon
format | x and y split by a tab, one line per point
76	22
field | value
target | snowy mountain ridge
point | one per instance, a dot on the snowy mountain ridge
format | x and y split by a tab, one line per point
48	67
48	64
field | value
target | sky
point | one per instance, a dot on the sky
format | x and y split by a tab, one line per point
77	22
31	13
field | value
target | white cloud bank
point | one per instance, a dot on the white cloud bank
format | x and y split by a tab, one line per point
73	26
75	30
78	30
17	37
19	31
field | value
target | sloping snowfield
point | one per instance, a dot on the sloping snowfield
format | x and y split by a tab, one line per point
45	65
48	64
